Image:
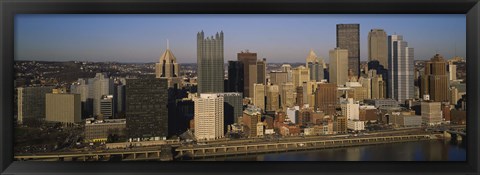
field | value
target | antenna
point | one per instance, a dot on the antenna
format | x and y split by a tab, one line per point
168	44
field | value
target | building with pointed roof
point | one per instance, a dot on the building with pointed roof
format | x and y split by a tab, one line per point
315	66
168	68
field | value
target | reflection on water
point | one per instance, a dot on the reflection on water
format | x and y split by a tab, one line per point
435	150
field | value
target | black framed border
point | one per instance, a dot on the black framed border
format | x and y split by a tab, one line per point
9	8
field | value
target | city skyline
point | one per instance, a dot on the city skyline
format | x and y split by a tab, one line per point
70	37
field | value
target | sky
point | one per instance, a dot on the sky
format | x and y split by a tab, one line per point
278	37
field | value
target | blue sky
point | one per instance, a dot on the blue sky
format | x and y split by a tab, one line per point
279	38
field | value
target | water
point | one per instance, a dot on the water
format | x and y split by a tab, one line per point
433	150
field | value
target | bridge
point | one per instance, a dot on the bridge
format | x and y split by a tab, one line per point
99	156
458	135
255	148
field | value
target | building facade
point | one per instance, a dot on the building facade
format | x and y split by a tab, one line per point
338	68
63	108
348	37
377	46
210	67
400	69
209	121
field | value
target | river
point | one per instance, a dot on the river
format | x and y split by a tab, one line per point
432	150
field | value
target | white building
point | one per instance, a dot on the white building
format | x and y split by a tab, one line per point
400	69
208	116
350	109
356	125
292	113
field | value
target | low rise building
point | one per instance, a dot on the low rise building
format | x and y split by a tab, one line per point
98	131
356	125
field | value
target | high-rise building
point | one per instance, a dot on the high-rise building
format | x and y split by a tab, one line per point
286	95
288	68
210	68
235	76
452	71
326	98
315	66
380	71
168	68
299	98
209	121
400	69
120	91
107	106
82	87
63	108
377	46
348	37
31	102
338	68
259	96
146	108
99	86
262	71
273	94
300	74
233	108
378	85
278	77
435	79
249	62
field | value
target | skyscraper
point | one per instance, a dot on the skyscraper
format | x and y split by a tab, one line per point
262	71
249	63
259	96
338	68
278	77
235	76
401	74
273	102
210	68
435	79
377	46
315	66
348	37
146	108
288	68
209	116
233	107
168	68
63	108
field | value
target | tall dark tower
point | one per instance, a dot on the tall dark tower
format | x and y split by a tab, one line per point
210	63
348	37
235	76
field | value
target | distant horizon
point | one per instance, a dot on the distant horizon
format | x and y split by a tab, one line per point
278	38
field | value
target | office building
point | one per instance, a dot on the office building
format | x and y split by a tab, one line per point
262	71
431	113
259	96
400	69
248	61
380	70
288	68
435	79
452	71
63	108
209	121
168	68
355	125
107	107
326	98
146	109
235	77
315	66
100	130
340	125
377	46
348	37
233	107
350	109
210	68
300	74
273	94
278	77
83	88
251	117
286	95
99	86
120	101
338	68
31	102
